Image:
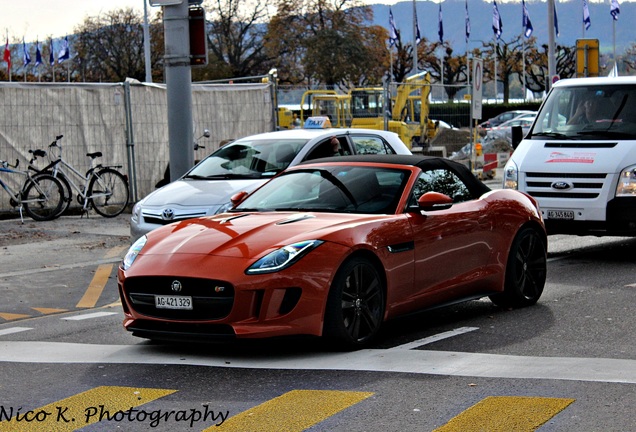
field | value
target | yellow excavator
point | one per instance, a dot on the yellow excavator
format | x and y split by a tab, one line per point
365	107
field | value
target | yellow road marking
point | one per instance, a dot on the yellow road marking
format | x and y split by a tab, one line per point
116	251
12	316
96	286
114	304
47	311
505	414
82	409
294	411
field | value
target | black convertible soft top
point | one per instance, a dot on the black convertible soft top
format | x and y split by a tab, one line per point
425	163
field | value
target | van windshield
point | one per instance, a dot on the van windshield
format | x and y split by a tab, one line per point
590	112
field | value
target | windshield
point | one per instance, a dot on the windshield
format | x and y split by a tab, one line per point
590	112
338	189
248	158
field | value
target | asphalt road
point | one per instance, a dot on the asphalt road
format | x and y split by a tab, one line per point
568	363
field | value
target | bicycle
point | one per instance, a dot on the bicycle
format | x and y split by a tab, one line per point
102	187
41	197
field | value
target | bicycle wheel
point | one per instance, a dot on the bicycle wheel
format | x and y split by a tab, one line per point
68	192
43	198
108	192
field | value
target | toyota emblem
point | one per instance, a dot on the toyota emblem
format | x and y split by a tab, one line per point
561	185
176	286
167	214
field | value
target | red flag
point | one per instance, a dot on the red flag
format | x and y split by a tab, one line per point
7	55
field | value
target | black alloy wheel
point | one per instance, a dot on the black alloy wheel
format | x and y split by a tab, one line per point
525	270
356	303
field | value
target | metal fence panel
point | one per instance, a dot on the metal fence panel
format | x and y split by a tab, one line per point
93	117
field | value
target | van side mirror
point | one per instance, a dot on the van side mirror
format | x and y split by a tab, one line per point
517	136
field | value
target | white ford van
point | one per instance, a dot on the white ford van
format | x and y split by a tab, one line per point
578	160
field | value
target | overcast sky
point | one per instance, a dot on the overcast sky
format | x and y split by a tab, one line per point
40	19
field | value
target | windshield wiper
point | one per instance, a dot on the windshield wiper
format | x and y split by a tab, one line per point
225	176
552	135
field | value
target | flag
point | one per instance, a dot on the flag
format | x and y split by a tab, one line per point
38	54
556	21
393	34
7	55
497	25
418	35
440	30
467	23
586	16
615	10
51	55
64	53
526	24
26	55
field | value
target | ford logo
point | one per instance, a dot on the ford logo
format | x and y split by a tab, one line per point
561	185
167	214
176	286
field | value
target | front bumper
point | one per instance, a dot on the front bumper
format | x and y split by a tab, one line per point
289	302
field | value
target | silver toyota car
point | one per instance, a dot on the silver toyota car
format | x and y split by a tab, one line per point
245	164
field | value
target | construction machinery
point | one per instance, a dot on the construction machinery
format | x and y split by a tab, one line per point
366	107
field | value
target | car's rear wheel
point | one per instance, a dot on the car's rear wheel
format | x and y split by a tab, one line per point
355	306
525	270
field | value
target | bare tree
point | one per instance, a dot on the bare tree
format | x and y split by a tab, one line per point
109	47
327	41
236	38
537	76
452	68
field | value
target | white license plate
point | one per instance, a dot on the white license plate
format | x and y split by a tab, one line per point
561	214
173	302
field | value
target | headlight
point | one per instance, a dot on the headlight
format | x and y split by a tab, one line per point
511	176
283	257
627	182
136	212
133	252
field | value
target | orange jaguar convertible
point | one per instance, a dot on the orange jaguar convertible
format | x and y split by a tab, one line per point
335	248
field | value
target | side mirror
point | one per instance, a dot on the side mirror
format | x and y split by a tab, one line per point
238	197
206	133
431	201
517	136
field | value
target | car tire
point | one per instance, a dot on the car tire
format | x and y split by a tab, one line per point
525	270
355	305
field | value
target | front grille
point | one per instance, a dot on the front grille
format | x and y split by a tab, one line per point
211	299
157	220
586	186
559	176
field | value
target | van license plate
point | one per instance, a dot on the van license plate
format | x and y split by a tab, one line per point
561	214
173	302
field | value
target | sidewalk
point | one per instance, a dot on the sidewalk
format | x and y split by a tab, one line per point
65	241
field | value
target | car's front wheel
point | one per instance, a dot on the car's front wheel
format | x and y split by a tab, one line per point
355	306
525	271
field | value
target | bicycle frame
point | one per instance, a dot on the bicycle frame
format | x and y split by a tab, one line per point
16	196
60	166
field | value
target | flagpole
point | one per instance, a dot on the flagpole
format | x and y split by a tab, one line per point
551	54
414	39
614	42
523	64
496	49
